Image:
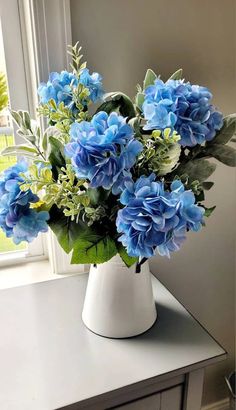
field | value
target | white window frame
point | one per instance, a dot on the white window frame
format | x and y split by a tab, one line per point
36	34
45	30
20	98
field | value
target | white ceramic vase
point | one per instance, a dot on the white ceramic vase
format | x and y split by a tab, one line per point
119	302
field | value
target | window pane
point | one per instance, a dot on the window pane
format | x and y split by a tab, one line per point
6	139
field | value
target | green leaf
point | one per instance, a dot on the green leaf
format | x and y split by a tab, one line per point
45	141
139	100
28	137
97	195
208	211
126	106
128	260
56	155
135	124
224	154
200	197
88	246
226	132
51	131
19	150
207	185
118	100
53	104
26	120
66	231
197	169
27	129
149	79
98	251
16	117
108	106
177	75
22	119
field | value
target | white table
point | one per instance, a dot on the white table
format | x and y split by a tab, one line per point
49	360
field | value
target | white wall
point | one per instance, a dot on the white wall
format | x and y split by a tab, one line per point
121	39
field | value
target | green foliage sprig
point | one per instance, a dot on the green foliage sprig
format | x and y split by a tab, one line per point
60	115
160	153
30	131
74	52
67	192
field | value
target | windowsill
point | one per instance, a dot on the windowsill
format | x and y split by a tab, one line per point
26	273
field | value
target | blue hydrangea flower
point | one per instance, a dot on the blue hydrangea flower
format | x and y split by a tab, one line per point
60	86
17	219
119	184
103	150
155	219
94	83
183	107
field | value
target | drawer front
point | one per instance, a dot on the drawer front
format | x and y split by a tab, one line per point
170	399
152	402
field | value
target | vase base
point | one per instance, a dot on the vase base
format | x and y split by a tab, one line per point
128	336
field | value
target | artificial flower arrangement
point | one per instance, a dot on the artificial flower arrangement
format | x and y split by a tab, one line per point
126	177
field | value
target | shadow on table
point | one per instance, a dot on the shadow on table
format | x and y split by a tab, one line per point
174	326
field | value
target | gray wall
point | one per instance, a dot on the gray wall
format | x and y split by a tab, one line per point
121	39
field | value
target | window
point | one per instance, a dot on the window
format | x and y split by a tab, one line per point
35	37
13	73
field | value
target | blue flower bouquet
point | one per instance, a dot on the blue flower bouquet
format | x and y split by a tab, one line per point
111	175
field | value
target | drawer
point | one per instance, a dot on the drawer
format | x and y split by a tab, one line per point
170	399
152	402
